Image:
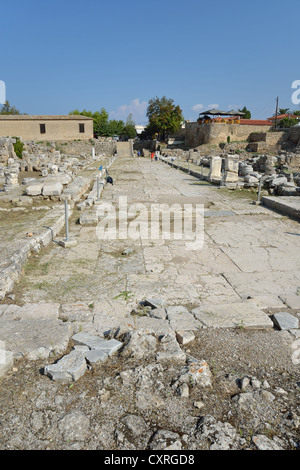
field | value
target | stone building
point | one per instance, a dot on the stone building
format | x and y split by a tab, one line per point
216	132
46	128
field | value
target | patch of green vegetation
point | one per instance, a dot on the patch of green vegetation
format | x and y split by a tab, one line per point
239	193
125	294
18	147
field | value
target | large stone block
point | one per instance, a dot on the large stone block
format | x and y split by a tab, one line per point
52	189
215	168
34	189
70	368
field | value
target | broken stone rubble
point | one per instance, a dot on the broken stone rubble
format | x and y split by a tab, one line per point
91	349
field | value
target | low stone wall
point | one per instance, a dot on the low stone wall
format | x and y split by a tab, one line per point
74	147
294	135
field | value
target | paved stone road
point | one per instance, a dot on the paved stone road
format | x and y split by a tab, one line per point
249	261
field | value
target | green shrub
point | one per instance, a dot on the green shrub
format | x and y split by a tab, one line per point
288	122
18	147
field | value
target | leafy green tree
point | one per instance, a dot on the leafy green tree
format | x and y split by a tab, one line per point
283	110
288	122
100	119
18	147
247	114
6	108
164	116
115	127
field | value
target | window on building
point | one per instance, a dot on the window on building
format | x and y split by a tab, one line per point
43	128
81	128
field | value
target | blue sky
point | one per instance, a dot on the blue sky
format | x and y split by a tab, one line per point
65	54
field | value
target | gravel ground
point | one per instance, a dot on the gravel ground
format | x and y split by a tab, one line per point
132	404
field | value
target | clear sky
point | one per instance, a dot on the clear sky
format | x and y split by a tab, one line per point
65	54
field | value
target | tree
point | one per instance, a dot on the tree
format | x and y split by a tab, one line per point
247	113
115	127
164	117
283	110
129	129
6	108
100	118
288	122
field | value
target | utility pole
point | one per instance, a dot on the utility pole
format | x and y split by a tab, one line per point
276	113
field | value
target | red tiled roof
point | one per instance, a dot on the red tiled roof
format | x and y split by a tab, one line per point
282	116
256	122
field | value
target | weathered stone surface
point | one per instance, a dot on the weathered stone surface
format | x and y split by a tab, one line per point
154	303
166	440
35	338
185	337
291	300
170	351
34	189
196	372
70	368
108	347
95	355
89	218
285	321
76	311
215	169
30	311
181	319
138	344
6	360
87	339
218	435
52	189
236	315
262	442
74	426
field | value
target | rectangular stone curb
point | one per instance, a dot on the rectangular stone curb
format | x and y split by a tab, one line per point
285	205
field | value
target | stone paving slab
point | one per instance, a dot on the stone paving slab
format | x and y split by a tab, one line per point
109	347
30	311
239	315
181	319
292	300
285	321
35	338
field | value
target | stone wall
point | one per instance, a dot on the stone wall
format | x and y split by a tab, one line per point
107	147
294	135
217	133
